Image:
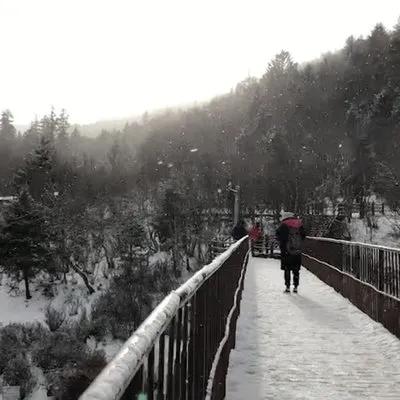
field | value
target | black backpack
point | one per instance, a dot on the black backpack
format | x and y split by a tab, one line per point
295	243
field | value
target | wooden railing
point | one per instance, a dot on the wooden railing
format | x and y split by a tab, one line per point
368	275
181	351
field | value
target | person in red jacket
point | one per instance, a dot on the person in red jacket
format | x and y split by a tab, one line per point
255	235
291	236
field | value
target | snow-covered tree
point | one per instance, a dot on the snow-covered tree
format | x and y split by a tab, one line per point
24	241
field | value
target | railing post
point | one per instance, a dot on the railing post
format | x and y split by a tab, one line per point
362	209
357	262
236	211
381	270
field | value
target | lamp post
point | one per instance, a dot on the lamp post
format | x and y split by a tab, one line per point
236	207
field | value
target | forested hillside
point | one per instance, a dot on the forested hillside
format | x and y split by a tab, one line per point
328	124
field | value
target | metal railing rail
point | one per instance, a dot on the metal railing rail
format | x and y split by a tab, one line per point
368	275
266	246
170	356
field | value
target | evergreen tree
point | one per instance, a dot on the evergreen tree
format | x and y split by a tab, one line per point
37	173
24	242
7	130
8	140
130	236
63	138
31	137
49	126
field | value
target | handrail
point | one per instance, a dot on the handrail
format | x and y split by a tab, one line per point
187	290
174	310
348	242
394	298
368	275
111	383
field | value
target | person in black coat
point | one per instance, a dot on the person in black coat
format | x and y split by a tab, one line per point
290	258
239	230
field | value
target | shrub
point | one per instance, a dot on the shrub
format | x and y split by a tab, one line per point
33	334
61	350
11	344
18	373
163	278
93	363
54	318
74	306
83	327
124	306
72	382
73	385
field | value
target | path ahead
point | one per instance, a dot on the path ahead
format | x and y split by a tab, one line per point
311	345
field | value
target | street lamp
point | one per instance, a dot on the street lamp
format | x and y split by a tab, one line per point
236	207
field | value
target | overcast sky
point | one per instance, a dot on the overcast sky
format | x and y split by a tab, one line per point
117	58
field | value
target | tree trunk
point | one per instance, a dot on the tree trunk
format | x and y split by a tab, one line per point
188	265
26	280
83	276
110	260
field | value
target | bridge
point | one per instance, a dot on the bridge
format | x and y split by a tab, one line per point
231	333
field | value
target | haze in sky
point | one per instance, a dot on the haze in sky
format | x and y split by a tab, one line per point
115	58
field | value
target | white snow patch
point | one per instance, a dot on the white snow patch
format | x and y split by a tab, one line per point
110	346
71	298
18	309
386	233
159	257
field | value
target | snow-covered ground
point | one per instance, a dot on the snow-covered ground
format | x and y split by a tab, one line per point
387	232
16	309
311	345
71	298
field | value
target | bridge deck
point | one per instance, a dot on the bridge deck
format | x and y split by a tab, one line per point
311	345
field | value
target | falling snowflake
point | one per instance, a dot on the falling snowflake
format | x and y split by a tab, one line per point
194	150
160	162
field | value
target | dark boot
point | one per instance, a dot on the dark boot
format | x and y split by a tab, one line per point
296	276
287	277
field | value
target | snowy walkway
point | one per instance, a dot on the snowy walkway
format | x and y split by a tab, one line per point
311	345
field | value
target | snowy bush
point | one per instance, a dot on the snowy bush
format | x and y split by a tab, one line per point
47	289
73	385
72	382
54	318
60	350
19	339
34	334
74	306
82	328
18	373
163	278
125	305
11	344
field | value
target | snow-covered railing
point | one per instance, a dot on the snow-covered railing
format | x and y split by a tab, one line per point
367	274
171	355
347	242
